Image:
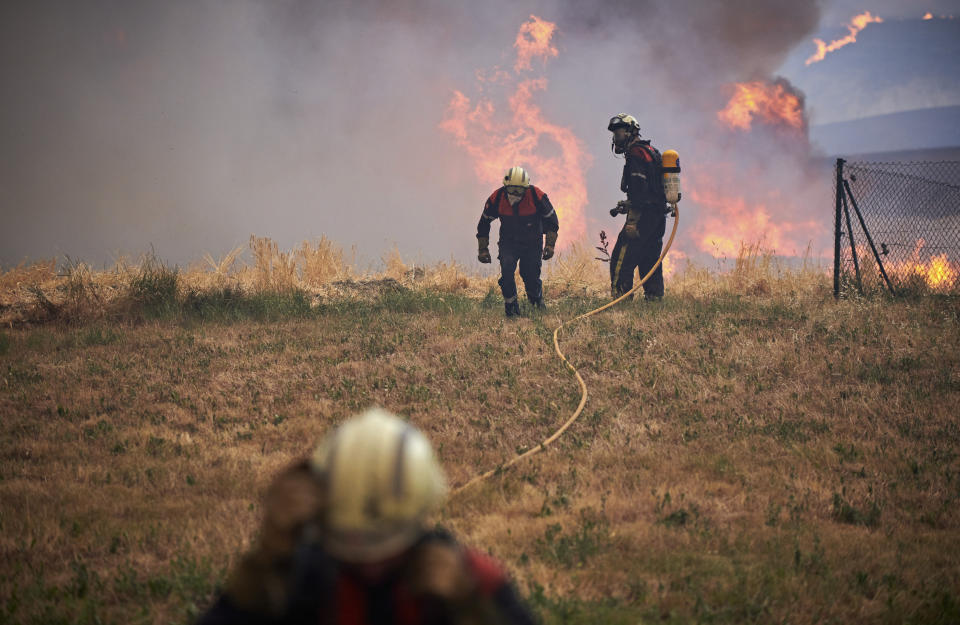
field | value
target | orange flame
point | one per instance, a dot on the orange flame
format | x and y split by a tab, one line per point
858	23
551	153
725	223
938	272
928	15
533	40
727	220
772	103
672	263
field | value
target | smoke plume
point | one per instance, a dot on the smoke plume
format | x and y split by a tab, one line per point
188	126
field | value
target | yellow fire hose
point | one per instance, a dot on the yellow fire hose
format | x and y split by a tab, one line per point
583	385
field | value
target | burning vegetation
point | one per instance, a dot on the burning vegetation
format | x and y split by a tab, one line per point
775	104
504	126
857	24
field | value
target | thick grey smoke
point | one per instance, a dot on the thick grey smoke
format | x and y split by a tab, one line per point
190	125
672	66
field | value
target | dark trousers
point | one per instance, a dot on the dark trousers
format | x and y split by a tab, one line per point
638	255
530	258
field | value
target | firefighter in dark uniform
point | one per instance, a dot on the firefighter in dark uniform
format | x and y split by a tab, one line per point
345	541
641	239
525	215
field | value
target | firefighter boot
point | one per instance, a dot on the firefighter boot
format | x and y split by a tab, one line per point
512	309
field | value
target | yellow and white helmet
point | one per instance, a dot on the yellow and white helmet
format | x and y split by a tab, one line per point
622	120
382	479
516	177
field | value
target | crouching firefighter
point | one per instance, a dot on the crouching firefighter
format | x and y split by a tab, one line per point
345	540
641	239
525	215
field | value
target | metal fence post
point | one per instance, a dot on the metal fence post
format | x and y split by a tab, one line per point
853	243
836	231
876	255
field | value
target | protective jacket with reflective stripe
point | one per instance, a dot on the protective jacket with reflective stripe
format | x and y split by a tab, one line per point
522	224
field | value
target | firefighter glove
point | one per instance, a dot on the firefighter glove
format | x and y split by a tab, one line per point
483	254
630	231
551	241
440	570
622	208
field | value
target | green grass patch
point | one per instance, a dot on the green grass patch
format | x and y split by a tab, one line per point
86	597
99	335
588	538
154	288
228	304
867	515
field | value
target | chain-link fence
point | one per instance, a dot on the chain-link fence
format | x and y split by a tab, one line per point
897	227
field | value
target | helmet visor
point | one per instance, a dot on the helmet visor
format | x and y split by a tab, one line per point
373	545
616	122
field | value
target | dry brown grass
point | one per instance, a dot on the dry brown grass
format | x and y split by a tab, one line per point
323	262
212	273
576	271
320	268
753	450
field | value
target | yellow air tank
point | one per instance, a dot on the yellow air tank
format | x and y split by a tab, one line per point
671	176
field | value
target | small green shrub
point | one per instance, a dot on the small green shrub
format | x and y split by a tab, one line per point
155	287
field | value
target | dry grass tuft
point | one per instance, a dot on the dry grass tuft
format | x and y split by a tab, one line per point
394	266
576	271
274	271
212	273
26	275
322	263
756	272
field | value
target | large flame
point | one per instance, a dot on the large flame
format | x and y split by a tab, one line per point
496	141
858	23
772	103
937	272
737	207
533	40
727	221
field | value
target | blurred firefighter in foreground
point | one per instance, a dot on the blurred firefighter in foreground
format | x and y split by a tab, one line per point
641	239
526	215
344	541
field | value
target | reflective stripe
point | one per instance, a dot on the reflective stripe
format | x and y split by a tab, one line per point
636	173
616	273
398	468
510	300
487	217
552	211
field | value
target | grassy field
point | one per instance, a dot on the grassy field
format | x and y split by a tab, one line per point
752	450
